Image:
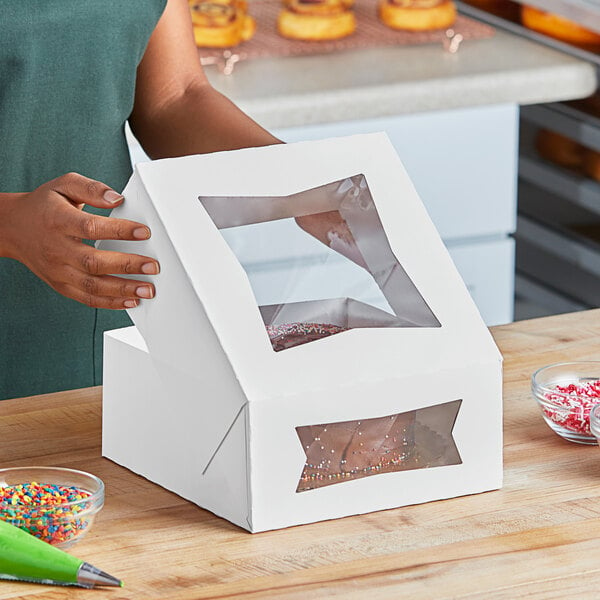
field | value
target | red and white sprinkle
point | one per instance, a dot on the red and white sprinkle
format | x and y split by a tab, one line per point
578	400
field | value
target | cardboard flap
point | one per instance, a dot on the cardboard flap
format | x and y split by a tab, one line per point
165	437
182	398
199	400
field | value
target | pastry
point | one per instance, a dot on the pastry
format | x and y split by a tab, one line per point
558	27
566	152
559	149
417	15
316	20
221	23
591	163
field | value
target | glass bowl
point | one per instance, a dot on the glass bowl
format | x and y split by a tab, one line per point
595	421
566	393
54	504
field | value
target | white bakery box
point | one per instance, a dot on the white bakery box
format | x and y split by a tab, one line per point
361	378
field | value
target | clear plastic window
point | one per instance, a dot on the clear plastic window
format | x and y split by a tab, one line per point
319	262
348	450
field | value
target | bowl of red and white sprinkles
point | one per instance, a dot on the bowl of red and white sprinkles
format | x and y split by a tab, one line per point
567	393
54	504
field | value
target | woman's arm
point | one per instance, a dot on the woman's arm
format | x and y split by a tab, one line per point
176	110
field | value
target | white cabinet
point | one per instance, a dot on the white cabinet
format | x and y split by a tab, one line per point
488	270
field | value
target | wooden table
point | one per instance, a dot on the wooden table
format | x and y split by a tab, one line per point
538	537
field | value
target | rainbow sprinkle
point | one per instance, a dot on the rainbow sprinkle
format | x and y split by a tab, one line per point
47	511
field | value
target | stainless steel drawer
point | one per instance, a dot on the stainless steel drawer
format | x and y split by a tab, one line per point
560	262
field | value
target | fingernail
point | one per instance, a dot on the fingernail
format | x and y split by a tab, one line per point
130	303
141	233
144	291
112	196
151	268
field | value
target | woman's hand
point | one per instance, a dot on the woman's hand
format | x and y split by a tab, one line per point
44	229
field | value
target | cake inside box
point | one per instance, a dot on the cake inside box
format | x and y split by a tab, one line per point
348	450
319	262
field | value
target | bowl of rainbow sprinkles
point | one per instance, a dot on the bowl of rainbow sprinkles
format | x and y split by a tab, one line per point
567	394
55	504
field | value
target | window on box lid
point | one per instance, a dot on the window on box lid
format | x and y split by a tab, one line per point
319	262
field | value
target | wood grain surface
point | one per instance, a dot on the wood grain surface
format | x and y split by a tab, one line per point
538	537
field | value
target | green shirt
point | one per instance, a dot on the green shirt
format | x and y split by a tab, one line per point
67	81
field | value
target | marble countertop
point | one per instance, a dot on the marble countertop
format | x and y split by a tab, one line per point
387	81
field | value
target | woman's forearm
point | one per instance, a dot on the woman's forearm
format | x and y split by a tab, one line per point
198	121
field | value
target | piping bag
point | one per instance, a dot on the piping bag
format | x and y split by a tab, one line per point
24	557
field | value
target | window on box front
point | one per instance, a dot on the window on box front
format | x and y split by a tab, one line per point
319	262
349	450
